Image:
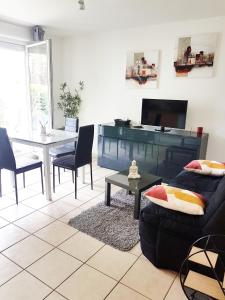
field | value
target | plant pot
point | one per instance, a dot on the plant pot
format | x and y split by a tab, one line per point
72	124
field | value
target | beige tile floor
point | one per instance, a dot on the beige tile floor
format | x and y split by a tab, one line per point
41	257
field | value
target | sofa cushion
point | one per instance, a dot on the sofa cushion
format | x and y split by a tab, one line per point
177	199
206	167
220	192
210	187
153	214
204	185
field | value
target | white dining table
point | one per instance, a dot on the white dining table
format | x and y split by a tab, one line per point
46	142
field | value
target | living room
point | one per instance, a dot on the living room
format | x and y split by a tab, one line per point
97	234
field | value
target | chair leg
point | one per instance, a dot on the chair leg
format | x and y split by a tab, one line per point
91	176
16	191
42	183
53	181
24	181
73	176
75	179
0	183
59	175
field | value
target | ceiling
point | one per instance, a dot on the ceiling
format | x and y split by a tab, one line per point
63	17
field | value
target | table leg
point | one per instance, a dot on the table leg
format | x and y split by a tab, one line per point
47	173
137	205
83	174
107	193
12	179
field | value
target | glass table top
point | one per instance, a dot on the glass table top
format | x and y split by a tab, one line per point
52	137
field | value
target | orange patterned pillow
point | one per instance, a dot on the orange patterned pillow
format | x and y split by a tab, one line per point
176	199
206	167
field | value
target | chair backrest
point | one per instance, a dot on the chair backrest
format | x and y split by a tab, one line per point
7	158
83	154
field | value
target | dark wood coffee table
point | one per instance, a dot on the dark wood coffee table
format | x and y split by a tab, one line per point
134	186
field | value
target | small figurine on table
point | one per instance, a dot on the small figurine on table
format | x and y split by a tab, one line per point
133	171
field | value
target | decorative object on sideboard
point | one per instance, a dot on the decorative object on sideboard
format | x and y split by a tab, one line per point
199	131
133	171
70	103
122	123
142	69
195	55
38	33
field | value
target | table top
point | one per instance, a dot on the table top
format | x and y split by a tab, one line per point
55	136
121	179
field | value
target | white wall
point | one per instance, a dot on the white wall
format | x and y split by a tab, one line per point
16	32
100	61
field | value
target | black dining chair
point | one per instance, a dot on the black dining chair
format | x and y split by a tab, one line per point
67	149
82	157
20	166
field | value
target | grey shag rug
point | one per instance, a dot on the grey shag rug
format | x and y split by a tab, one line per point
114	225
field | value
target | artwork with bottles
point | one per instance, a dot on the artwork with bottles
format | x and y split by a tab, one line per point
142	69
194	55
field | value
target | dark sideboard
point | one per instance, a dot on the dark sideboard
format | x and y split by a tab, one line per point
160	153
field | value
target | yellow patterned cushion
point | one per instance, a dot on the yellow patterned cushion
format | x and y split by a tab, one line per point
206	167
176	199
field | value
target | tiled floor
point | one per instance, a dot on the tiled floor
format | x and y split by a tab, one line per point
41	257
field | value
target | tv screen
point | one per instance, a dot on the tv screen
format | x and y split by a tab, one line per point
164	113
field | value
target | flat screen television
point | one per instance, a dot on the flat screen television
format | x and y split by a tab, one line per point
164	113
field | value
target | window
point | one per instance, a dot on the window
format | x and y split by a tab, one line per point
22	108
39	72
14	114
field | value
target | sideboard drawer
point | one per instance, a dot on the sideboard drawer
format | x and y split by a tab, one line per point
139	135
190	142
109	131
167	140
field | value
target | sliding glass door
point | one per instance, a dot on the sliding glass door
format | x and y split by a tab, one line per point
40	84
14	114
25	86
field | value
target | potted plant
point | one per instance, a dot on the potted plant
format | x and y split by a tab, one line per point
70	103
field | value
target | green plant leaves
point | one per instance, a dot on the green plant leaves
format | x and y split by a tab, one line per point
70	102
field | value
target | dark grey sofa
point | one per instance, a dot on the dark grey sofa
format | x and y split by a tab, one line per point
167	235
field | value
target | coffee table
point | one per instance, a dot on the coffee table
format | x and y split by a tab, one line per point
134	186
